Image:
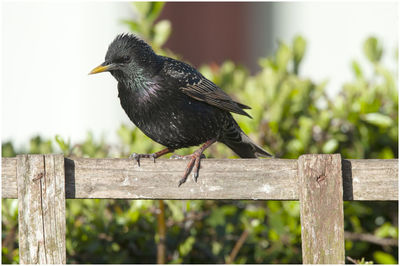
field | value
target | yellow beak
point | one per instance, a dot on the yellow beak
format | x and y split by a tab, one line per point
99	69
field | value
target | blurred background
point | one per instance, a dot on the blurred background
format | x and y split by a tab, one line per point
48	49
321	77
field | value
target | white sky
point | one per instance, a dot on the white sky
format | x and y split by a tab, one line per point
335	33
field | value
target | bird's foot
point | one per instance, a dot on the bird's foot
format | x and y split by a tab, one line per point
193	159
194	162
137	156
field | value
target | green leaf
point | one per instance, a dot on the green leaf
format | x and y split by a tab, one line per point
4	250
162	30
115	247
65	147
386	153
176	209
186	246
330	146
283	56
216	218
216	247
299	48
373	49
143	8
295	146
154	10
386	230
378	119
305	129
363	261
7	150
292	208
357	69
39	146
384	258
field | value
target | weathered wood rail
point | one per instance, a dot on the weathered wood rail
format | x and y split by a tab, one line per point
320	182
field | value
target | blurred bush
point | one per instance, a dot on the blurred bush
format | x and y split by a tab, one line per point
292	115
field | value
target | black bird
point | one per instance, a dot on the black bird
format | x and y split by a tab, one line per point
173	104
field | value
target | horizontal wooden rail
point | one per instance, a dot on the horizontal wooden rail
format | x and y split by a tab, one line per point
319	181
246	179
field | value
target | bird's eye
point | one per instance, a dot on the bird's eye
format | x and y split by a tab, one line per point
126	58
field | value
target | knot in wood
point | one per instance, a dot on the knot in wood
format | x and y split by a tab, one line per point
38	176
321	178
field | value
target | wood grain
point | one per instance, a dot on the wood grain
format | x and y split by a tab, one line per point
258	179
9	178
372	179
321	208
41	209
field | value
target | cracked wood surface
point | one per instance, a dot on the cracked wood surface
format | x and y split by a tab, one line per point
41	209
321	208
258	179
320	182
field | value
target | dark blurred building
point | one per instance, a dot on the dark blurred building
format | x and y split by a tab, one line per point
209	32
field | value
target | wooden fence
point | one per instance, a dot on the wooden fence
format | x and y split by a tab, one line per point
320	182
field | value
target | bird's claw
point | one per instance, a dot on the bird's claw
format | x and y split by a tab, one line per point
183	180
194	163
195	175
137	156
197	166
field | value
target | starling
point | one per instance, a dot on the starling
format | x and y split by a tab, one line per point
173	104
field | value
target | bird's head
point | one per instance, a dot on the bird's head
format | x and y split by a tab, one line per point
127	57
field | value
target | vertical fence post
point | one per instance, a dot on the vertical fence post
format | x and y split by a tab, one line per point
41	209
321	208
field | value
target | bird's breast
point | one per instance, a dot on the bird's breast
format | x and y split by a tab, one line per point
172	118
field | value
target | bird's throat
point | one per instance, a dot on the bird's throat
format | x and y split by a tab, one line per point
138	88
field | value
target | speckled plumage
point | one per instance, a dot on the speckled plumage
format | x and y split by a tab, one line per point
171	102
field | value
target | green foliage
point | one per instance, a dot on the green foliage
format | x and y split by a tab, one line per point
9	237
292	115
100	231
146	27
361	261
7	149
384	258
37	145
373	49
299	48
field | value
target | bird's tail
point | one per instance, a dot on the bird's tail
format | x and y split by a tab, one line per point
246	148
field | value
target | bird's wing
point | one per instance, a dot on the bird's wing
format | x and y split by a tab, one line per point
207	91
195	85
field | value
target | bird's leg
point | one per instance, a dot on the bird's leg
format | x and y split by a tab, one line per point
137	156
195	162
